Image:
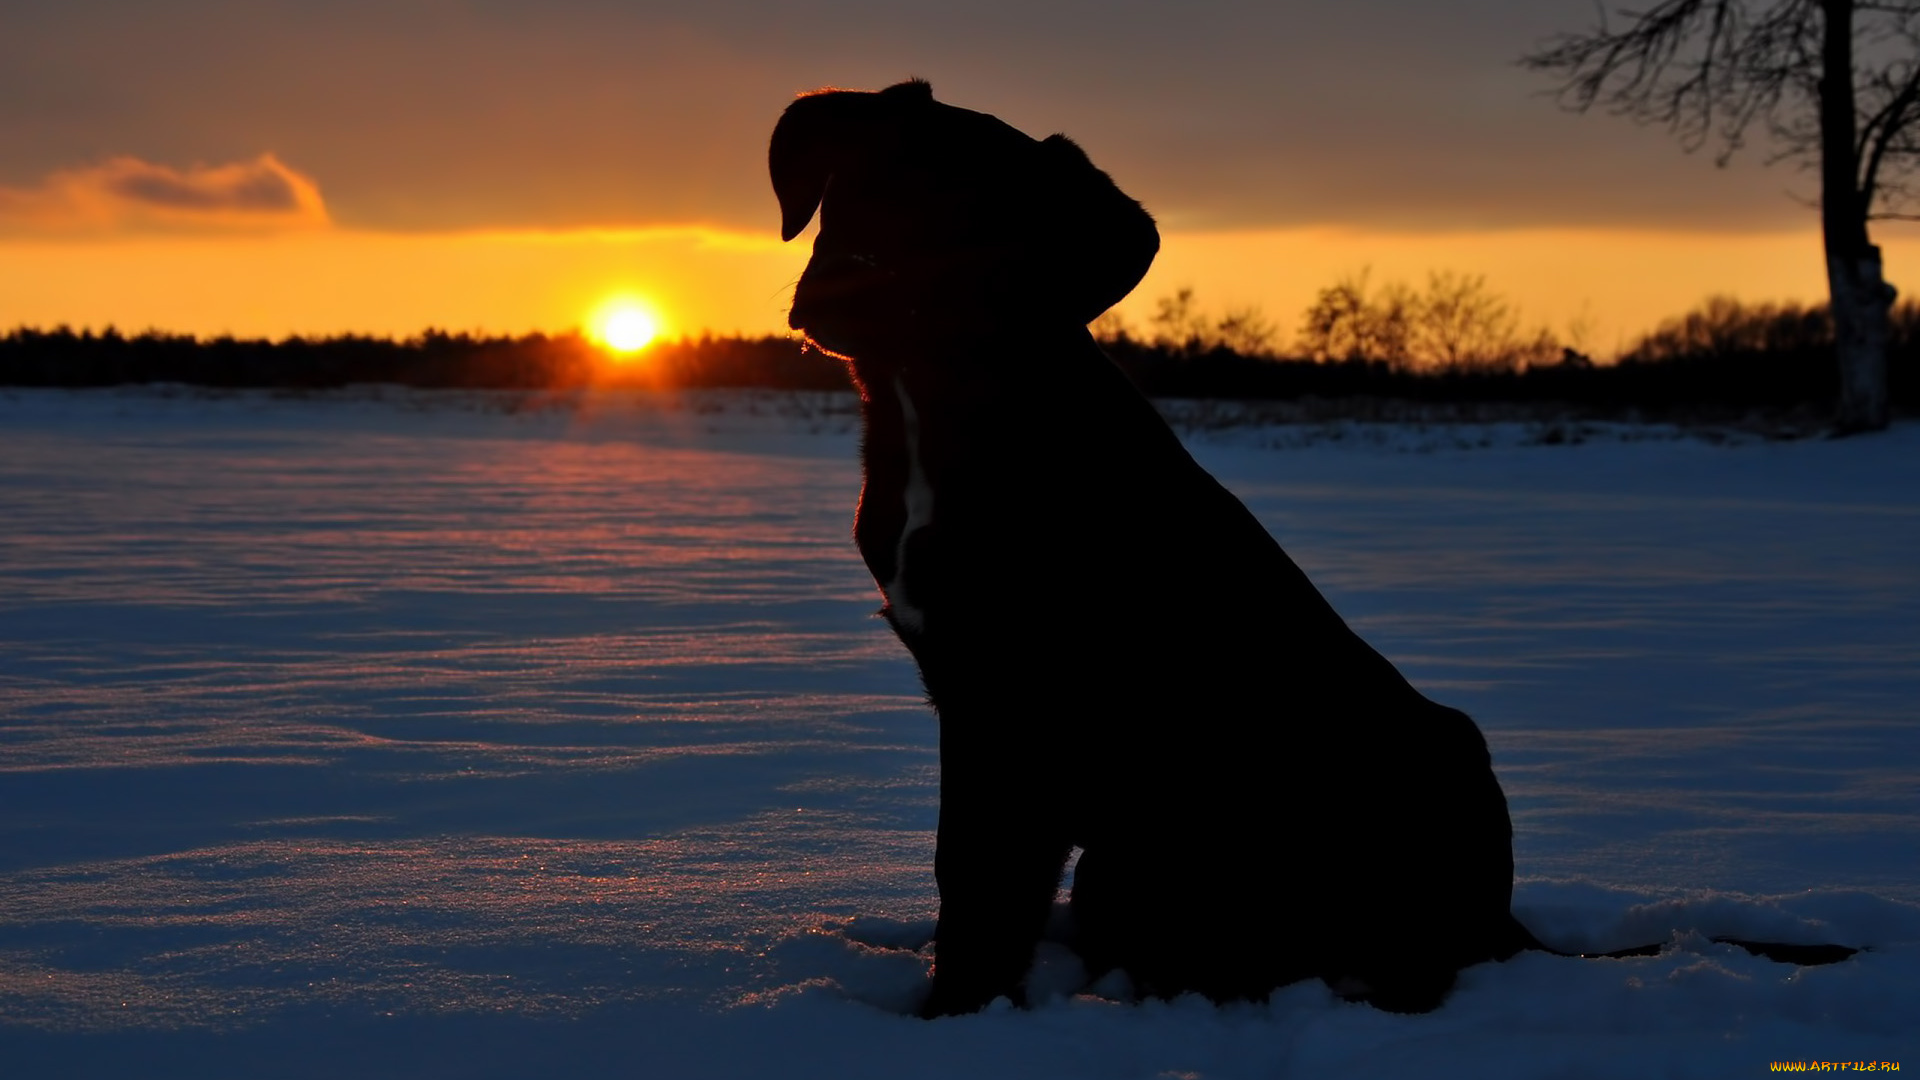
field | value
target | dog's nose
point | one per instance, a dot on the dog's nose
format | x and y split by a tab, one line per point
797	316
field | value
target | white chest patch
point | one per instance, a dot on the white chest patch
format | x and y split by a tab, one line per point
919	499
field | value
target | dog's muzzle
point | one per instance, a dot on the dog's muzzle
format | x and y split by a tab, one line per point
841	290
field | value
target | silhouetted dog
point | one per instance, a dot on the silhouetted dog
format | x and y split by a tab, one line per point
1120	656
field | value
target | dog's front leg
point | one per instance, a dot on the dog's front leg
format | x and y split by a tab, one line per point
998	862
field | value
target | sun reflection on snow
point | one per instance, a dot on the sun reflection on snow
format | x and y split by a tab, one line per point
465	923
314	518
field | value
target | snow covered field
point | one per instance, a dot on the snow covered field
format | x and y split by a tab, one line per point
402	735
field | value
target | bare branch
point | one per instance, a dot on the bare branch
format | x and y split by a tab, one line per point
1879	134
1714	71
1670	66
1887	137
1700	68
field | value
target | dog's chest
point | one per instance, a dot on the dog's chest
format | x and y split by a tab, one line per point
897	503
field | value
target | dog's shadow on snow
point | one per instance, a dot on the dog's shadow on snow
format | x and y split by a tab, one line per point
885	963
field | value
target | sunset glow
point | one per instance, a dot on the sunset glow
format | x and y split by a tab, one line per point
689	280
624	326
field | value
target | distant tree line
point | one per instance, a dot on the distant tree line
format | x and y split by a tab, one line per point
435	359
1458	341
1454	341
1673	371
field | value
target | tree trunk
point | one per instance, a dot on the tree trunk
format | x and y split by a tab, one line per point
1861	300
1860	296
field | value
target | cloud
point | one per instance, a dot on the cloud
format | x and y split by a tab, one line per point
126	194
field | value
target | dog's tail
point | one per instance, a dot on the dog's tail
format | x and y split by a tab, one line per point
1519	939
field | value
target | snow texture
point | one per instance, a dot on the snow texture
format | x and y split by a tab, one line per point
385	734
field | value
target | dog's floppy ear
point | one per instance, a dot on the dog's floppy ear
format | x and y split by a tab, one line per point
808	142
1104	240
818	134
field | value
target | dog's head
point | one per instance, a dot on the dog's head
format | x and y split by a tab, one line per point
936	220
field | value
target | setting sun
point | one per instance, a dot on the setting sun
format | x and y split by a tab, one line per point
624	326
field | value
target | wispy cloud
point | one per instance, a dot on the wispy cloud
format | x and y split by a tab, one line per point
126	194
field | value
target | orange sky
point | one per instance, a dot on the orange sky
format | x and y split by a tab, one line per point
1606	284
382	166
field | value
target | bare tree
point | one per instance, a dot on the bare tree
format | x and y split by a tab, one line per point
1179	326
1247	331
1464	325
1833	83
1349	322
1458	324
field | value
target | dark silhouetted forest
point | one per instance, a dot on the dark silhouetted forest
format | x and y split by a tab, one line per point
433	360
1723	357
